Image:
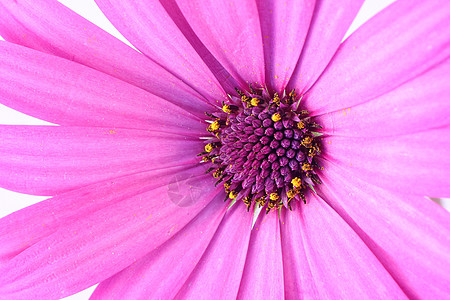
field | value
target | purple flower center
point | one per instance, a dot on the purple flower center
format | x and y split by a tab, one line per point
263	149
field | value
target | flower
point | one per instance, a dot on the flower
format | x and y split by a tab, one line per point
130	204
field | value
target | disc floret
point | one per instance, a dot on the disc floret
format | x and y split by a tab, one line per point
263	149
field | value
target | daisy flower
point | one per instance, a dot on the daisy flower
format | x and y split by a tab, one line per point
244	151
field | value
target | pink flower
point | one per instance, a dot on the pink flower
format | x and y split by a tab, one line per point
130	204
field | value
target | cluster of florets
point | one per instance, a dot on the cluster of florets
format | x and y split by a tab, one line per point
263	149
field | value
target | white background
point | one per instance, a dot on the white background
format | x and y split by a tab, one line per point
11	201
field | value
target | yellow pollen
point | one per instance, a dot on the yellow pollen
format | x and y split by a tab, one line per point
296	182
307	141
276	117
226	108
291	193
214	126
255	101
217	173
306	167
209	148
232	195
276	99
274	197
300	125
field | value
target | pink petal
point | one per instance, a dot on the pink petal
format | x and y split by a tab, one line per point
284	26
263	271
409	234
232	32
49	26
47	160
330	22
417	105
340	264
161	273
398	44
102	241
417	162
67	93
298	278
220	269
148	26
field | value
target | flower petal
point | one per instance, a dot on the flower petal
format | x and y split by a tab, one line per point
398	44
409	234
417	105
341	265
149	28
417	163
48	26
220	269
67	93
231	31
263	271
102	241
161	273
330	22
47	160
284	27
298	277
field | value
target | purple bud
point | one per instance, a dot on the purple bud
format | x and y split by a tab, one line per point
248	182
278	125
284	171
274	144
257	147
266	150
264	173
241	126
279	182
288	177
272	157
300	156
269	131
253	139
259	155
269	185
281	151
249	129
297	134
275	174
295	144
256	164
283	161
259	131
229	130
238	144
290	153
263	116
278	135
288	133
272	110
285	143
267	123
265	164
265	140
249	119
248	146
275	165
251	155
256	123
240	117
247	164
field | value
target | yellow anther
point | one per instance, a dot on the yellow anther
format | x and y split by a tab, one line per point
254	102
276	99
300	125
244	98
246	200
276	117
226	185
232	195
291	193
296	182
306	167
274	197
226	108
205	158
217	173
214	126
307	141
209	148
271	205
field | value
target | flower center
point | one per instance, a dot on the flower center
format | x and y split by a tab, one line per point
263	149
